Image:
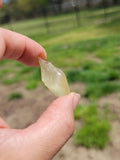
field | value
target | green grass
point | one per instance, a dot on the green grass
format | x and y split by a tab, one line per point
98	83
6	71
32	84
26	69
94	135
13	80
84	112
91	76
95	129
2	62
15	96
97	90
20	73
72	50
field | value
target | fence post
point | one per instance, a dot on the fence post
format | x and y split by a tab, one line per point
105	6
76	9
45	14
47	24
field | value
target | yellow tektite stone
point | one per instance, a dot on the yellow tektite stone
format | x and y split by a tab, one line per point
54	78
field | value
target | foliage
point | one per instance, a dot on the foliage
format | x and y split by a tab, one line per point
89	64
32	84
97	90
26	69
95	129
2	62
36	74
84	112
29	8
94	134
15	96
13	80
92	76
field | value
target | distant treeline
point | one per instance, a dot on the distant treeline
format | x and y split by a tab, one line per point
18	9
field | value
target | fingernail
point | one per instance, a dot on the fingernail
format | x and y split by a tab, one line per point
76	98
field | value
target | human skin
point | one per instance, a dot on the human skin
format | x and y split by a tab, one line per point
1	3
43	139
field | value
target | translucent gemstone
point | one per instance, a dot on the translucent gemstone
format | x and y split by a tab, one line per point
54	78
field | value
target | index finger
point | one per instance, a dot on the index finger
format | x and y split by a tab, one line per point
1	3
19	47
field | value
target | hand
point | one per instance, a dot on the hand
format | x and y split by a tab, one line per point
43	139
1	1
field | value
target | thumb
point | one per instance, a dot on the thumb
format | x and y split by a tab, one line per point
53	129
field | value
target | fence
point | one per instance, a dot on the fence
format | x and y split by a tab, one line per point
63	22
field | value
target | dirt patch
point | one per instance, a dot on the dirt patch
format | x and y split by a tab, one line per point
112	101
80	88
93	58
19	113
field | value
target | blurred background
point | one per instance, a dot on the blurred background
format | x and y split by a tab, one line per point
82	37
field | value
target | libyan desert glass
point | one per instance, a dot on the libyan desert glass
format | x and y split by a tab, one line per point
54	78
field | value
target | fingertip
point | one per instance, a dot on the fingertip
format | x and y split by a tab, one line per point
1	3
32	51
75	99
42	54
20	47
68	102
